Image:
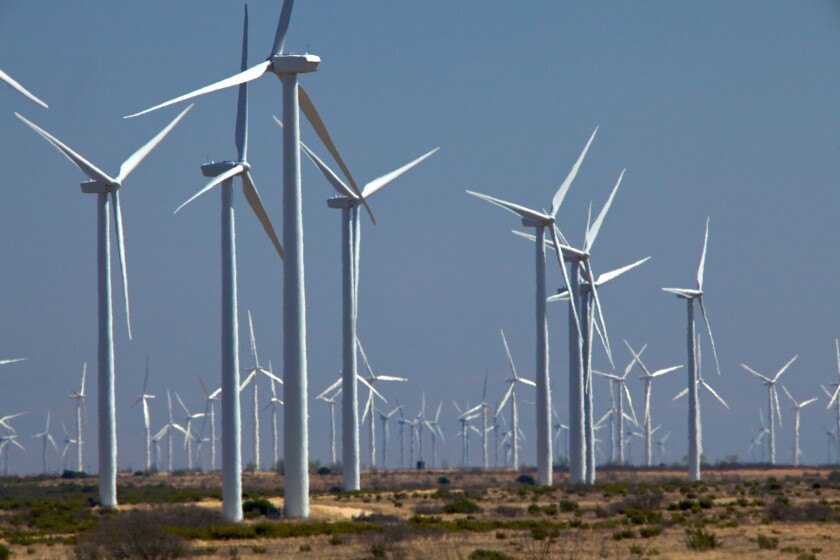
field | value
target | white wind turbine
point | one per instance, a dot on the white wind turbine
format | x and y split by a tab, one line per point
695	432
79	397
331	400
660	445
144	398
541	221
187	430
15	85
483	408
46	438
559	428
797	409
620	383
210	411
435	430
695	441
832	397
103	185
252	378
287	67
648	378
223	173
465	417
511	394
5	440
773	403
384	419
170	427
274	402
371	380
68	442
348	202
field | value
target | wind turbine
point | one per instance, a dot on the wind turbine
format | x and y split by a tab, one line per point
623	393
648	378
170	426
832	397
695	426
464	417
287	67
541	221
386	434
252	378
223	173
210	411
79	397
660	444
695	442
371	380
274	402
46	438
511	394
797	409
68	441
144	398
330	400
15	85
435	430
103	185
5	440
773	402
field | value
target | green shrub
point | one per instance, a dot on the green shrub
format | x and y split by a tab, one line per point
701	540
649	532
4	552
568	505
483	554
461	505
624	534
443	480
767	542
305	548
526	479
259	507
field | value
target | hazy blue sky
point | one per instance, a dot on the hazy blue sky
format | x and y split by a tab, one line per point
717	109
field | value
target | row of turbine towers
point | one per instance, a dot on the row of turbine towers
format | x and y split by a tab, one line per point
581	286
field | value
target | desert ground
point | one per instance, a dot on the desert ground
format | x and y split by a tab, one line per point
452	513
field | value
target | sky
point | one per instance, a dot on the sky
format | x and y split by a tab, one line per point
716	109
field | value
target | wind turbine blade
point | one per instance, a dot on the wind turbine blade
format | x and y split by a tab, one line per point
787	365
282	27
203	388
504	400
531	237
833	397
253	198
232	172
789	396
242	98
84	165
437	414
330	175
4	362
809	401
369	386
592	233
520	211
329	389
663	371
775	399
709	330
613	274
526	381
681	394
560	260
253	340
564	187
251	74
14	84
714	394
380	182
630	402
390	378
364	358
134	159
118	226
755	373
703	259
52	441
629	366
314	119
684	292
602	331
248	380
509	357
178	397
271	376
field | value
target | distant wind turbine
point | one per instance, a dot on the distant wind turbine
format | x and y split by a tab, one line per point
144	398
273	403
511	394
210	412
772	403
330	400
623	393
103	185
833	400
79	397
46	438
797	409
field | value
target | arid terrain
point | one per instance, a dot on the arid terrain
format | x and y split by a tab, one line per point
469	514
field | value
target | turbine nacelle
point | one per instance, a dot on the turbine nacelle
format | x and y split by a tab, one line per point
95	187
342	202
216	168
293	63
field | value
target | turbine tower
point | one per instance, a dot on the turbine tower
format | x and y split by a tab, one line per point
46	438
79	397
144	398
274	402
331	400
623	393
103	185
648	378
797	409
210	411
541	221
295	424
772	403
511	394
833	400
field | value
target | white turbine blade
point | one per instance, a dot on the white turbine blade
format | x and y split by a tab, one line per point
4	362
162	432
380	182
520	211
627	417
437	414
755	373
253	340
663	371
203	388
681	394
833	397
560	260
684	292
703	259
271	376
118	226
215	394
390	378
16	442
837	347
510	358
52	441
789	396
14	84
458	408
629	366
714	394
134	159
248	380
84	165
787	365
178	397
329	389
364	358
809	401
607	375
330	175
613	274
525	381
592	233
232	172
369	386
282	27
602	331
637	359
709	330
775	399
564	187
251	74
314	119
531	237
470	411
603	418
504	400
630	402
253	198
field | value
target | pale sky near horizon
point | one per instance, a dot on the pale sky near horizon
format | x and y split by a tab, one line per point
716	109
